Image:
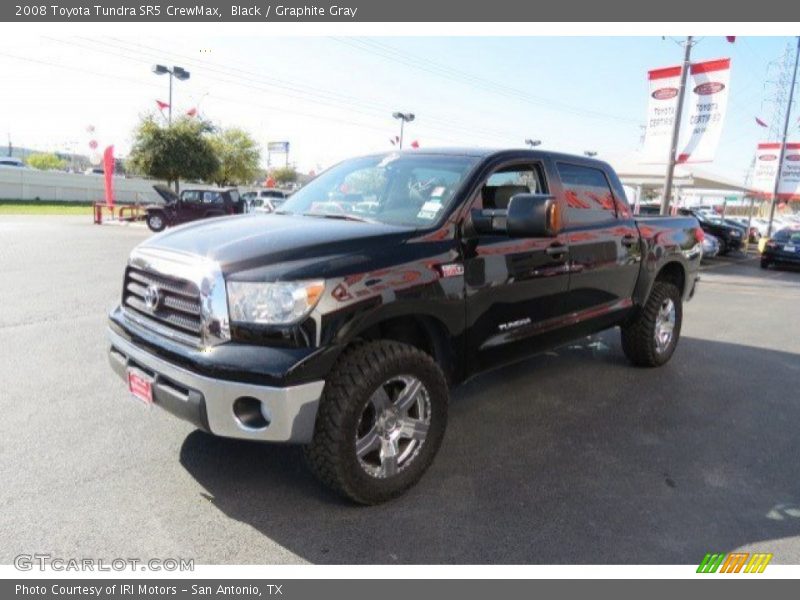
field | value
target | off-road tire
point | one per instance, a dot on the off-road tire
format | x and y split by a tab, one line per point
156	222
360	370
638	335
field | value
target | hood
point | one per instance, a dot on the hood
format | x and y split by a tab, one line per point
167	194
254	240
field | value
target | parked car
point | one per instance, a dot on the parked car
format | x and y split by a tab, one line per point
782	249
10	161
730	237
344	332
710	245
191	205
264	200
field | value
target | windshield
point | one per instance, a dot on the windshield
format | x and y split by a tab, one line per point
409	190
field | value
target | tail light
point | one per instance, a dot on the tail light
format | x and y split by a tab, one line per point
699	234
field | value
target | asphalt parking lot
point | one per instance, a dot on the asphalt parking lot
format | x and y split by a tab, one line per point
570	457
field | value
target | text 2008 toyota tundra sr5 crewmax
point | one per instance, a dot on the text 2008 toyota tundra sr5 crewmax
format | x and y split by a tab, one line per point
341	320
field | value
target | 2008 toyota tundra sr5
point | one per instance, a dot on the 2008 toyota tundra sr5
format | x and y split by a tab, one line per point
342	320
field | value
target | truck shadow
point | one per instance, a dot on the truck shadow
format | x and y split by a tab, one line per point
569	457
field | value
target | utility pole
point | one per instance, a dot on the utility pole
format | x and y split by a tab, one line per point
676	127
782	152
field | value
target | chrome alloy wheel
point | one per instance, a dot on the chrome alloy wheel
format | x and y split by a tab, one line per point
665	325
156	222
393	426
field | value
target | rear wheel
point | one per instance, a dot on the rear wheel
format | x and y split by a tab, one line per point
723	247
380	423
156	222
651	337
764	263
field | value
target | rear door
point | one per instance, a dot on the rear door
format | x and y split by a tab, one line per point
515	288
604	245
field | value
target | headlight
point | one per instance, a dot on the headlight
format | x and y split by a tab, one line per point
279	303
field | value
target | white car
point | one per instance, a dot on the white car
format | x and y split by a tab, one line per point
10	161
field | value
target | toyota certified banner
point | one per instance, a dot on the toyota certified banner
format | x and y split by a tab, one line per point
661	109
766	169
706	99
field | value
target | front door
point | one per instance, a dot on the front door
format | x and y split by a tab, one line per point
515	288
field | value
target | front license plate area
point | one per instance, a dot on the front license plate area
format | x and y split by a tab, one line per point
140	386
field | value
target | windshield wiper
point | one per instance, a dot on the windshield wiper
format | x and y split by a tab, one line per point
341	217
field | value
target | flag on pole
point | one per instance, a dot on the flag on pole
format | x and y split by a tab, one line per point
661	108
707	94
162	105
761	123
192	112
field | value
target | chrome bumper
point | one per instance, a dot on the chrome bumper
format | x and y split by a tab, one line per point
288	413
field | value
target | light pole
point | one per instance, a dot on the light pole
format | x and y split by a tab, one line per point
589	153
177	72
404	118
533	143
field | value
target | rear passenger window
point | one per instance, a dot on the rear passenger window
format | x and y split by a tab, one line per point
587	195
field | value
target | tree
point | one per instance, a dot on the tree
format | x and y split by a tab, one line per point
46	161
238	155
180	151
284	174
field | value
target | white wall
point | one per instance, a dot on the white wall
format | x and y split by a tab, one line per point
29	184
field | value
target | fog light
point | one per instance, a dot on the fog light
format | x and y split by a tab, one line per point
251	413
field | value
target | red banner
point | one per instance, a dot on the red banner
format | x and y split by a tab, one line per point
108	174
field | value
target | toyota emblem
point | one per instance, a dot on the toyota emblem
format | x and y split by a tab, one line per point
152	298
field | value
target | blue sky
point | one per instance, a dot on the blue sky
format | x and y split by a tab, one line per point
333	97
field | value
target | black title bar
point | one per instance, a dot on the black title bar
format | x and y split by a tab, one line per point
400	11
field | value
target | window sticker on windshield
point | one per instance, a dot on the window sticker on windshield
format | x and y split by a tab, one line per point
429	210
438	191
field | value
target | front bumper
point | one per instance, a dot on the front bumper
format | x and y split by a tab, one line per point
287	413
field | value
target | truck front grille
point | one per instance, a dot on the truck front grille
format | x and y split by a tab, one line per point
166	304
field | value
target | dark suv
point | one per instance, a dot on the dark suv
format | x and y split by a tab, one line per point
191	205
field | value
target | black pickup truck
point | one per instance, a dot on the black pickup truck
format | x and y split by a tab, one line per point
342	320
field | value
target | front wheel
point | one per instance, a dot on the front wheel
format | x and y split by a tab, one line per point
156	222
650	338
380	422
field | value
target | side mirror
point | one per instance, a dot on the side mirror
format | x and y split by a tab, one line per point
533	215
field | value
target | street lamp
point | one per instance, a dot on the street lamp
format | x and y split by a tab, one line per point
404	118
590	153
533	143
177	72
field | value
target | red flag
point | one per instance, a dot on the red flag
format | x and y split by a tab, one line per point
760	122
730	38
415	144
108	174
192	112
162	105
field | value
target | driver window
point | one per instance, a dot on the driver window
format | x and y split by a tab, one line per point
507	182
191	197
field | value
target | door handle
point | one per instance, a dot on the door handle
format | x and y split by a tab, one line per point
629	240
556	250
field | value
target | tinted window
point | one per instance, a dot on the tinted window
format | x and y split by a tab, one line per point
587	195
192	197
